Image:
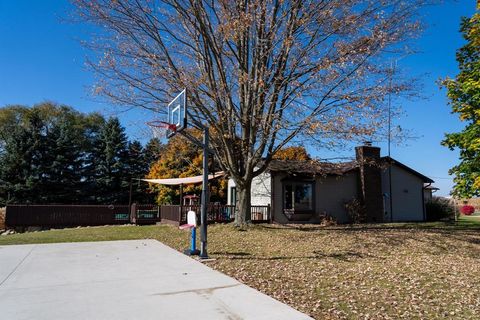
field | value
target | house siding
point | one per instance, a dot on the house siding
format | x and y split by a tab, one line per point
261	190
331	194
407	195
277	206
427	195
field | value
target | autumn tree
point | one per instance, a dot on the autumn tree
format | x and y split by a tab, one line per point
464	97
260	73
180	158
292	153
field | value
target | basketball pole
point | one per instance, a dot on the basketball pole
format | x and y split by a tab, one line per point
178	127
203	211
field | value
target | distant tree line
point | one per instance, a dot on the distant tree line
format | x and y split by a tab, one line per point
52	153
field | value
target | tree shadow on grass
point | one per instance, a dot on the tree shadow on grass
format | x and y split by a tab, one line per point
234	254
348	256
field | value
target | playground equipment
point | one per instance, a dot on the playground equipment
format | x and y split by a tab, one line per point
192	225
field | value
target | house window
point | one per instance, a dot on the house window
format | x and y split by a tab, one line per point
298	196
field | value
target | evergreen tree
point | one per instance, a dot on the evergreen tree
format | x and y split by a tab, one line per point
64	172
112	176
54	154
153	150
92	126
138	169
43	153
16	166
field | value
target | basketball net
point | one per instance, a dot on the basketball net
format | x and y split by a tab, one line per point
160	128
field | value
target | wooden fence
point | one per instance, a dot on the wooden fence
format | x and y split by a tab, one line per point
171	214
145	214
51	216
66	215
2	218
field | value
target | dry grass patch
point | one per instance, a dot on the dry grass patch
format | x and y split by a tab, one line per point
343	273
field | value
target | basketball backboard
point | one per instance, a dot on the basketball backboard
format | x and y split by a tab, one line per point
177	113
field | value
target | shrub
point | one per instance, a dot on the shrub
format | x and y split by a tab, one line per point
355	210
467	210
440	208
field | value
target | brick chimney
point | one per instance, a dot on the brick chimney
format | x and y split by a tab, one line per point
368	158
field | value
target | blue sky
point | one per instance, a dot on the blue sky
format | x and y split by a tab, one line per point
41	59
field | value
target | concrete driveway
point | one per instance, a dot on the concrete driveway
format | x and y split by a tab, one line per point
139	279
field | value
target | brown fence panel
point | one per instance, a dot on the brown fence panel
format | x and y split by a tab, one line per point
2	218
66	215
170	214
93	215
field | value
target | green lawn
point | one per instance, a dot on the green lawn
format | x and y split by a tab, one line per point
378	271
103	233
469	221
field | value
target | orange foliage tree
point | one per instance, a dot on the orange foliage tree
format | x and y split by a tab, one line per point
292	153
181	159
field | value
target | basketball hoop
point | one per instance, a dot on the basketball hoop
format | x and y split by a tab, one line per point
176	123
161	129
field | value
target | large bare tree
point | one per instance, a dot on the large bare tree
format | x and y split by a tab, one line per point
260	73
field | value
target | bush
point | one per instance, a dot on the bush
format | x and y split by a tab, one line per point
356	211
467	210
440	208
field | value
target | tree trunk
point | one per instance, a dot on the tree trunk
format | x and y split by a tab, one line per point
243	212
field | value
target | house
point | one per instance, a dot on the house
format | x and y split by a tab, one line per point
307	191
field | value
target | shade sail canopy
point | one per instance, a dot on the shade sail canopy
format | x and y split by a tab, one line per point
188	180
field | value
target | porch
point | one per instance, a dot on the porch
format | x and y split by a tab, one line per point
177	214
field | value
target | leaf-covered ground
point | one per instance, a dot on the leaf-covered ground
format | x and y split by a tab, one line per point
359	273
418	271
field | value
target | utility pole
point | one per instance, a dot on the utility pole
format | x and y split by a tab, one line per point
392	69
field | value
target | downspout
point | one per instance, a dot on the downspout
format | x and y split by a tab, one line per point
272	198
